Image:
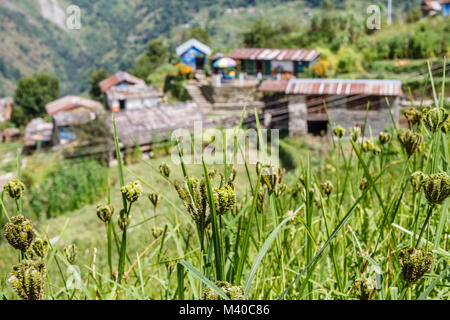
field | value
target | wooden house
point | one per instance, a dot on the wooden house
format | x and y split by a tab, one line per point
193	53
124	91
274	61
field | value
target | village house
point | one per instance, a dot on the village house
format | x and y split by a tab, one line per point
436	7
38	134
193	53
69	111
267	62
144	127
124	91
346	101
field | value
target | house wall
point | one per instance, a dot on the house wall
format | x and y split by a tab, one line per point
188	58
134	104
378	120
286	66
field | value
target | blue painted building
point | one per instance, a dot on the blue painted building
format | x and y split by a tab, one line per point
193	53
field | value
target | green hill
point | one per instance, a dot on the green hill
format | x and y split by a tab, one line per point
114	32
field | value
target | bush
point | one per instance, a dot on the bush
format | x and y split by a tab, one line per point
69	187
348	60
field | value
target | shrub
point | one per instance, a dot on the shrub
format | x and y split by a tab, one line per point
69	187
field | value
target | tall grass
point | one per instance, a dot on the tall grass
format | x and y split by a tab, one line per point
342	227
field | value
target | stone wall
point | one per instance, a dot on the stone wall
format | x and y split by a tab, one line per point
377	120
297	116
231	94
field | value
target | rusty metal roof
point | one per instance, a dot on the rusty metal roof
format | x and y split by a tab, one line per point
70	102
338	87
274	54
133	92
118	78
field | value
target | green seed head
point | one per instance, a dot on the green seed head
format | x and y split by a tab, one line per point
384	138
233	292
413	116
71	252
105	212
367	146
14	188
339	131
123	221
363	183
435	118
355	133
411	141
132	191
224	199
415	263
436	187
19	232
327	187
154	198
164	169
416	180
446	126
157	232
27	280
38	249
365	288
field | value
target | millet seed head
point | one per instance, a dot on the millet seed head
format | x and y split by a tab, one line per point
14	188
105	212
27	279
19	232
155	199
365	288
435	118
415	263
413	116
164	169
327	187
132	191
232	292
71	253
436	187
355	133
384	138
339	131
38	249
411	141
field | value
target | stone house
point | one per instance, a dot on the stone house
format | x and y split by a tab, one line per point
6	109
346	101
124	91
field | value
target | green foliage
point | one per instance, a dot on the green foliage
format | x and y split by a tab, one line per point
156	54
348	60
199	33
94	89
31	96
69	187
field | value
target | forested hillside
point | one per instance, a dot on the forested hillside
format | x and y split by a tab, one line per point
115	32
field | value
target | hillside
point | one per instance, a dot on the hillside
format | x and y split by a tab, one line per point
114	32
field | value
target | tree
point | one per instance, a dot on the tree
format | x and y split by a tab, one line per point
156	54
199	33
31	96
96	77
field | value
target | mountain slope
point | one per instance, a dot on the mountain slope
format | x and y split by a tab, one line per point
33	36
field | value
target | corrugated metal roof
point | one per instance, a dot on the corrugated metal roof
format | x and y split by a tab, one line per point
70	102
133	92
274	54
118	78
334	87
